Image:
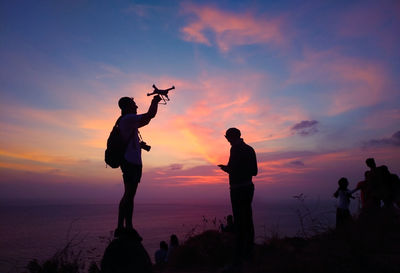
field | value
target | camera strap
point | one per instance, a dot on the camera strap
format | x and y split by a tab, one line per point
140	136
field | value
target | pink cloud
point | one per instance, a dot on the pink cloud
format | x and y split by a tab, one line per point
230	29
350	83
198	130
189	130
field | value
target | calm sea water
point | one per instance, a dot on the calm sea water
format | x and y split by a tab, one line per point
39	231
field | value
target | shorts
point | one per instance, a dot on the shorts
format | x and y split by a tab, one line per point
131	173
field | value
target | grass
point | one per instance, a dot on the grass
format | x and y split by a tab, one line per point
370	244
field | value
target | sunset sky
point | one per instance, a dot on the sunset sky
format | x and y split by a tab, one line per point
314	86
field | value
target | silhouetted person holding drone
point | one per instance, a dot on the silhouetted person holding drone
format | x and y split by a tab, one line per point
242	166
131	165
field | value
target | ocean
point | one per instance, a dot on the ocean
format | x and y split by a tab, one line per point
38	232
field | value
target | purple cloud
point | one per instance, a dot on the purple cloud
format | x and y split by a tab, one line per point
271	156
305	127
175	167
297	163
394	140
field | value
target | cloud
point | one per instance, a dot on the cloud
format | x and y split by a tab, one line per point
394	140
198	175
305	127
175	167
297	163
230	29
285	155
346	83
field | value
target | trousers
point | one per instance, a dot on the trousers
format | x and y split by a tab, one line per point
241	199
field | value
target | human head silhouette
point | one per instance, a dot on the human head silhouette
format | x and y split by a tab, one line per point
370	163
174	240
127	105
163	245
343	183
232	135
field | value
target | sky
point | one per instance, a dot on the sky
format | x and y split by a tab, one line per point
313	86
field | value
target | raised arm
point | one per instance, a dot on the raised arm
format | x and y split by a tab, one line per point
151	113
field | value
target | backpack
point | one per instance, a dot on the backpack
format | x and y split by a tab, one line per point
116	147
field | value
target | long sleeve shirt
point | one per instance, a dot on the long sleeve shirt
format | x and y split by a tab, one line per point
242	165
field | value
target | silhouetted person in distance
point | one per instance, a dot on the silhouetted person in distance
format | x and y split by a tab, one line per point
388	191
161	254
173	244
363	188
395	180
379	180
242	166
131	167
343	217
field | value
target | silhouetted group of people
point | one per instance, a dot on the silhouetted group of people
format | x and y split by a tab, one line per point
241	167
380	189
161	256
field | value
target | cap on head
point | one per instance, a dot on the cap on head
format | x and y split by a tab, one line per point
233	133
125	102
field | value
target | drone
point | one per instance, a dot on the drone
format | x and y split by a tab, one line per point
162	93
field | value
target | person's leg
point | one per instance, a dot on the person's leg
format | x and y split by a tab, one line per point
121	214
126	206
235	208
131	175
246	230
248	220
241	199
237	223
129	195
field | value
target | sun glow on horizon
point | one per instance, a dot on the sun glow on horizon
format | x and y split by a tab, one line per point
314	100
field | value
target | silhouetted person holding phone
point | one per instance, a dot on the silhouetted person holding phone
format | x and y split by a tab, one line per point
242	166
131	167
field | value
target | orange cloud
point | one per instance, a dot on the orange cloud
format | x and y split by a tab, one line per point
194	133
189	130
230	29
191	180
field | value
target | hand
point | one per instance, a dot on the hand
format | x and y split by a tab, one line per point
156	99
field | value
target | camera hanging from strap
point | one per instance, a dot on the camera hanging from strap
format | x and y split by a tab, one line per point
143	144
